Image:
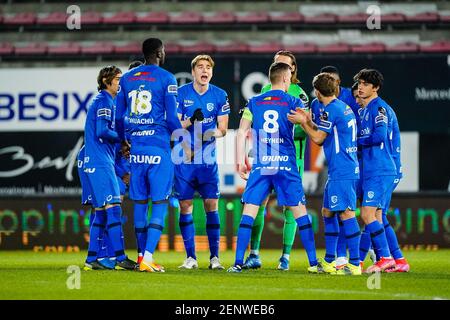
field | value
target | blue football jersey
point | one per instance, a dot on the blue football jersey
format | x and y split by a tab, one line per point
394	136
141	105
340	146
374	139
273	134
98	151
214	103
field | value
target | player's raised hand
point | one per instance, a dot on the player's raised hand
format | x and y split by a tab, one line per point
242	170
297	116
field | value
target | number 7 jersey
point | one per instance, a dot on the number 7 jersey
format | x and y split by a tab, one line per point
141	104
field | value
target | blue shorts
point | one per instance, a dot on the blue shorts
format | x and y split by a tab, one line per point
340	195
103	184
86	193
286	183
389	194
376	190
203	178
151	175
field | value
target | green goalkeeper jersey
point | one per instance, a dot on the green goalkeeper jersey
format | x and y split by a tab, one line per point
299	134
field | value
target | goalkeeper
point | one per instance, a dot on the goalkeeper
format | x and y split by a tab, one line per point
253	261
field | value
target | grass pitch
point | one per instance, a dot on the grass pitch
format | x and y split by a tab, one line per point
29	275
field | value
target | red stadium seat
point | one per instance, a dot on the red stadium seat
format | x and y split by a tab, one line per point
439	46
375	47
53	18
35	48
268	47
91	17
153	17
219	17
324	18
286	17
23	18
187	17
445	18
6	48
353	18
302	48
172	48
403	47
98	48
199	48
129	48
65	48
428	17
253	17
393	18
335	48
234	47
120	18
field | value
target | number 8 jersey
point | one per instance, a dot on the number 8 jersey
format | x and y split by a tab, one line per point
141	104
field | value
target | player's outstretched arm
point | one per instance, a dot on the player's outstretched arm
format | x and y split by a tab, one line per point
304	119
244	126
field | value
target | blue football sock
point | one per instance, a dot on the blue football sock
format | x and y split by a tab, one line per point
391	239
114	215
379	238
243	238
156	225
213	232
353	236
187	228
341	249
364	245
140	226
331	237
96	234
307	237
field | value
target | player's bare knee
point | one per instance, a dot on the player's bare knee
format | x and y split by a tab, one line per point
347	214
110	205
211	205
141	201
186	206
327	213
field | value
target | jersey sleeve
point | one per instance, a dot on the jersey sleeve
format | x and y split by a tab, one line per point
327	120
180	104
224	105
121	108
248	114
380	124
171	88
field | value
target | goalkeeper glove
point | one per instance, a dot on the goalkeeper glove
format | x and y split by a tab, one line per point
197	116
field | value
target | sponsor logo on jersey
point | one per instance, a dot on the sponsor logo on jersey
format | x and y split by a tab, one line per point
351	149
272	98
104	112
210	106
172	89
275	158
226	107
143	133
365	131
209	119
145	159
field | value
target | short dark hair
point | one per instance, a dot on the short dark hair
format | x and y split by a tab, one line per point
330	69
151	46
109	73
135	64
370	76
276	69
325	84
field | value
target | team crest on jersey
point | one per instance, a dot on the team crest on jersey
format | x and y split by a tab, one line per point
334	199
210	106
370	194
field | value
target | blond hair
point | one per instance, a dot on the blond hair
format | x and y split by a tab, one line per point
202	57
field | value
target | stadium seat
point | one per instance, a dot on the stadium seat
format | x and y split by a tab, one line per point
439	46
403	47
91	17
323	18
252	17
53	18
98	48
198	48
445	17
6	48
428	17
224	17
286	17
393	18
374	47
22	18
65	48
353	18
172	48
268	47
119	18
233	47
35	48
152	18
335	48
129	48
302	48
187	17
